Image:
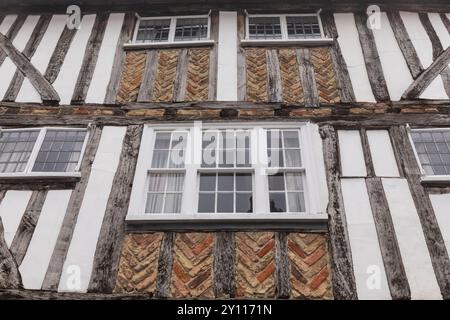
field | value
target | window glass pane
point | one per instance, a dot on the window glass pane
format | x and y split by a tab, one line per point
225	202
283	149
243	182
191	29
296	202
15	149
207	182
264	28
294	181
433	150
277	202
206	203
165	192
276	182
60	151
225	182
226	149
244	203
303	27
153	31
168	151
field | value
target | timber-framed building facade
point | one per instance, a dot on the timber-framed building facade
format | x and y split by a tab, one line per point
216	149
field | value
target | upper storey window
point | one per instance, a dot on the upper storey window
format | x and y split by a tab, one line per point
172	29
284	27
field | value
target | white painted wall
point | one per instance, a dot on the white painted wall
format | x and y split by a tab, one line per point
12	208
365	249
396	72
84	241
227	57
68	75
7	23
35	263
42	56
382	154
8	68
411	240
441	206
351	153
351	50
424	48
103	69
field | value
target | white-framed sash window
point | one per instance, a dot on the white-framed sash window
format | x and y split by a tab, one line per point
223	171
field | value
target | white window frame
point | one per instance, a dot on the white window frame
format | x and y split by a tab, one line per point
171	38
311	153
284	32
426	177
35	151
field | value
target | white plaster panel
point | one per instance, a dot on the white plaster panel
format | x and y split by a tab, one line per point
441	206
365	249
80	256
351	153
348	39
382	154
411	240
37	258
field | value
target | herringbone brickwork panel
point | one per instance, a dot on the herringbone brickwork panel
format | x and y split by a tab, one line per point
310	267
132	74
290	76
165	76
197	82
325	75
256	61
192	272
138	266
255	264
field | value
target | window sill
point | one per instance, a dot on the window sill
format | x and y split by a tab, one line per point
164	45
436	181
287	43
176	222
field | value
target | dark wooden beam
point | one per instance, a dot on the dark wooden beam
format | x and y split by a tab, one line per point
30	49
372	59
112	232
433	237
404	42
25	231
213	56
90	58
437	49
55	268
125	35
224	265
165	264
307	77
146	88
367	155
342	76
12	33
282	265
179	87
10	276
445	21
274	89
344	284
45	89
17	294
390	251
241	60
424	80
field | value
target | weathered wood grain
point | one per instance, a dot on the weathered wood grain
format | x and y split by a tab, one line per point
241	59
213	57
437	48
308	80
90	58
45	89
404	42
367	155
112	232
10	276
26	227
119	57
344	284
445	21
165	264
342	76
146	87
29	50
435	242
274	88
59	54
54	271
282	271
372	59
12	33
424	80
390	251
224	265
179	87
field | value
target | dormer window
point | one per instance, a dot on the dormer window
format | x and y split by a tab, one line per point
172	29
284	27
